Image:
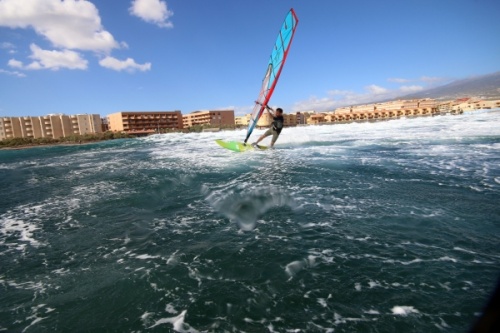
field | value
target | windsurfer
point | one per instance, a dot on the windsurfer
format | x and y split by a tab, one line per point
276	126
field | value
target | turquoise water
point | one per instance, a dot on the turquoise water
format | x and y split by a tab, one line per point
367	227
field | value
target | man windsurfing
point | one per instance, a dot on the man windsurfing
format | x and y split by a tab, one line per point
276	126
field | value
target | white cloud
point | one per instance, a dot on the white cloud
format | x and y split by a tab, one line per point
152	11
15	63
410	89
376	90
336	92
45	59
398	80
339	98
69	24
11	48
128	65
7	45
430	79
13	73
54	60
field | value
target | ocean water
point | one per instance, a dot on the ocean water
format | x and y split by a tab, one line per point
389	226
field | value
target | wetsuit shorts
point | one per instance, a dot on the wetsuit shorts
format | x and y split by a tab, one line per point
272	132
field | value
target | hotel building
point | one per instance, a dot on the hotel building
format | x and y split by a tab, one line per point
145	121
218	118
242	120
266	120
50	126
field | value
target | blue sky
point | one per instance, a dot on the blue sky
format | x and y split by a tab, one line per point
106	56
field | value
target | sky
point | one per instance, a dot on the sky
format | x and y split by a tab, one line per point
107	56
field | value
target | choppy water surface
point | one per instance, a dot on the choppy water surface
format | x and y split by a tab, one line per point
367	227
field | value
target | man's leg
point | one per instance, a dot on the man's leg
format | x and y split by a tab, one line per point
261	138
275	137
266	134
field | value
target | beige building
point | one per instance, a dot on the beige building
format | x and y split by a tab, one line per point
265	120
302	117
386	110
139	121
316	119
50	126
218	118
242	120
473	104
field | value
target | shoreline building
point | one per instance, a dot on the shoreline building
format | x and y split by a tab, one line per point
303	116
472	104
265	120
52	126
144	121
401	108
290	119
242	121
220	118
386	110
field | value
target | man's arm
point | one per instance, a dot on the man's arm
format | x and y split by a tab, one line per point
271	111
268	108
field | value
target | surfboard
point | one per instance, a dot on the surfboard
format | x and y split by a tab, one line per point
238	146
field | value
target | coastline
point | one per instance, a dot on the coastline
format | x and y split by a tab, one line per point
22	147
26	143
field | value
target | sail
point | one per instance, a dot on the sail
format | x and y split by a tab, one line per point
274	67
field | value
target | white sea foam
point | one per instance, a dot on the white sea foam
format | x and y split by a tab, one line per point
146	315
25	221
464	250
296	266
170	309
177	322
374	284
446	258
372	312
414	261
146	256
323	302
403	310
24	230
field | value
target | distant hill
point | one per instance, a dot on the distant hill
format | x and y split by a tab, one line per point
485	87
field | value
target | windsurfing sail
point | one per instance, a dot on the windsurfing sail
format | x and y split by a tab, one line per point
274	67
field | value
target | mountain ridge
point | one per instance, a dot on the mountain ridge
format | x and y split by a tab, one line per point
483	86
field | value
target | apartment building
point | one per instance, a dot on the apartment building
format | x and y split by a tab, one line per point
316	119
52	126
473	104
242	120
302	117
212	118
144	121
